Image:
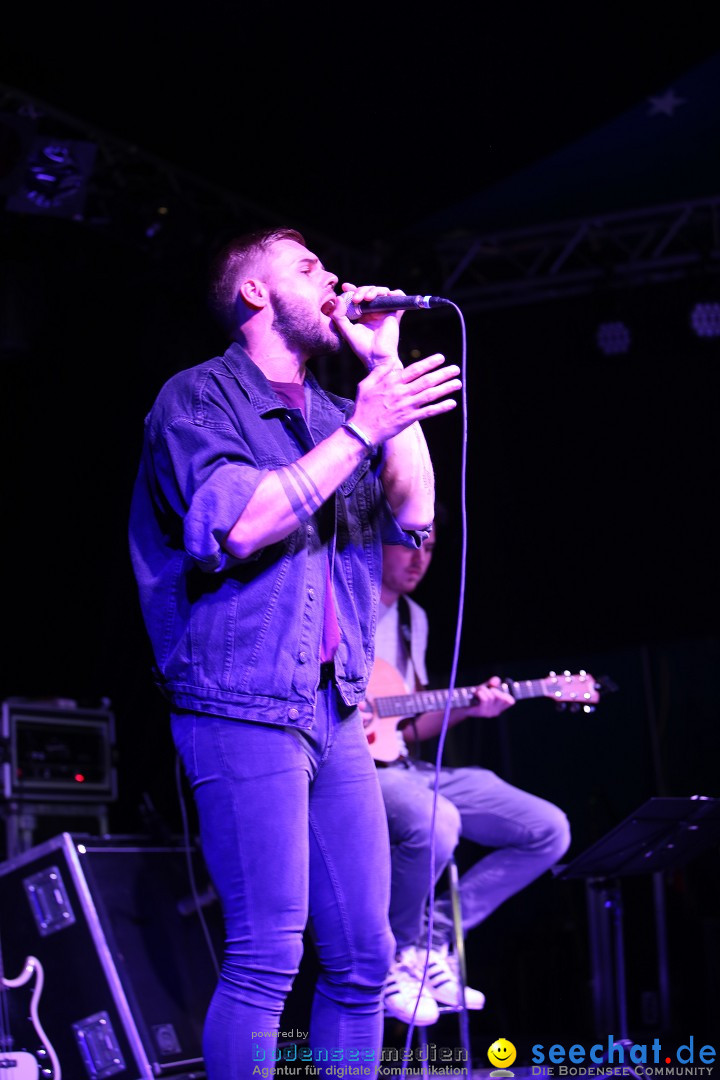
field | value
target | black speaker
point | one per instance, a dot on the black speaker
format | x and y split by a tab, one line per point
110	952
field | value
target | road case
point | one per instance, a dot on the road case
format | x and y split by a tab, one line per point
127	940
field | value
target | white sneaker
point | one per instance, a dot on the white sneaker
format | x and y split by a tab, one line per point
402	991
443	979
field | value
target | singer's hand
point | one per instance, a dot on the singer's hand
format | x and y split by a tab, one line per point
391	398
375	338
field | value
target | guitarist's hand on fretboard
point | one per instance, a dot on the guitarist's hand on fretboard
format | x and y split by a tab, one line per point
490	699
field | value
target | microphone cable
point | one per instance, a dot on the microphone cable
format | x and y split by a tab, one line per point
451	686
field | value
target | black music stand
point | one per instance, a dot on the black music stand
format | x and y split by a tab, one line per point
660	835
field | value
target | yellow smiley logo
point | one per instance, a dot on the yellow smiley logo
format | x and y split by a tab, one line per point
502	1053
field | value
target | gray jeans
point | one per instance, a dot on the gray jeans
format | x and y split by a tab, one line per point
527	835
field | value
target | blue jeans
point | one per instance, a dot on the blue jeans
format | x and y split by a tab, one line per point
292	825
528	835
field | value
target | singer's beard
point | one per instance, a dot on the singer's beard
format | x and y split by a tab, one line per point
303	329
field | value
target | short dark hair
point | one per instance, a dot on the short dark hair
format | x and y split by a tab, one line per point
232	260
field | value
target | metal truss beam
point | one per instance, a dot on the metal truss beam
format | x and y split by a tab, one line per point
613	251
140	199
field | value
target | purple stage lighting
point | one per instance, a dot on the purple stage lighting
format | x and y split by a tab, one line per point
613	338
705	320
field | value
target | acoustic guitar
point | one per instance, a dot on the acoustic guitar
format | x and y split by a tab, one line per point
391	703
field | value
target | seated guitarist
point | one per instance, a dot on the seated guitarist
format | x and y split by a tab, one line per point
526	833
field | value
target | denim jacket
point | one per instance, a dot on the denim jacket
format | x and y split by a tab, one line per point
242	638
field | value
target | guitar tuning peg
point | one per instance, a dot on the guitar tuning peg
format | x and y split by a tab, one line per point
561	706
574	707
588	708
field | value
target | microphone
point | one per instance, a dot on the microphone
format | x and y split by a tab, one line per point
386	303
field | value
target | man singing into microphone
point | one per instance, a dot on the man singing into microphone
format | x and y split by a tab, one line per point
256	530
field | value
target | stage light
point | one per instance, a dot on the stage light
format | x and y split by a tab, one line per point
613	338
54	178
705	320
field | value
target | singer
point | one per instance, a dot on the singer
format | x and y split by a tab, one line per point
257	522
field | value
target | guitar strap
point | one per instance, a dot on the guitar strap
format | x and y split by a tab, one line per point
404	620
405	627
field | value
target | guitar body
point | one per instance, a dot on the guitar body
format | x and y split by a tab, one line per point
382	733
19	1066
21	1026
388	697
391	703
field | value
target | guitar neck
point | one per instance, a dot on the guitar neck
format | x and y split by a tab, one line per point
423	701
526	688
565	687
461	697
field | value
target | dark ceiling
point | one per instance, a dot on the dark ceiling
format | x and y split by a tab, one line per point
357	124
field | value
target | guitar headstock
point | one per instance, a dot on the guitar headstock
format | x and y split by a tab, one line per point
578	691
568	691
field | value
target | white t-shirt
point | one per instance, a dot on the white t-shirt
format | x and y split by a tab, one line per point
390	646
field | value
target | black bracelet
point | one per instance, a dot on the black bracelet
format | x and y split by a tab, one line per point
360	436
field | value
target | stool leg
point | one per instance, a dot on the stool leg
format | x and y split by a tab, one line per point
423	1045
460	951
